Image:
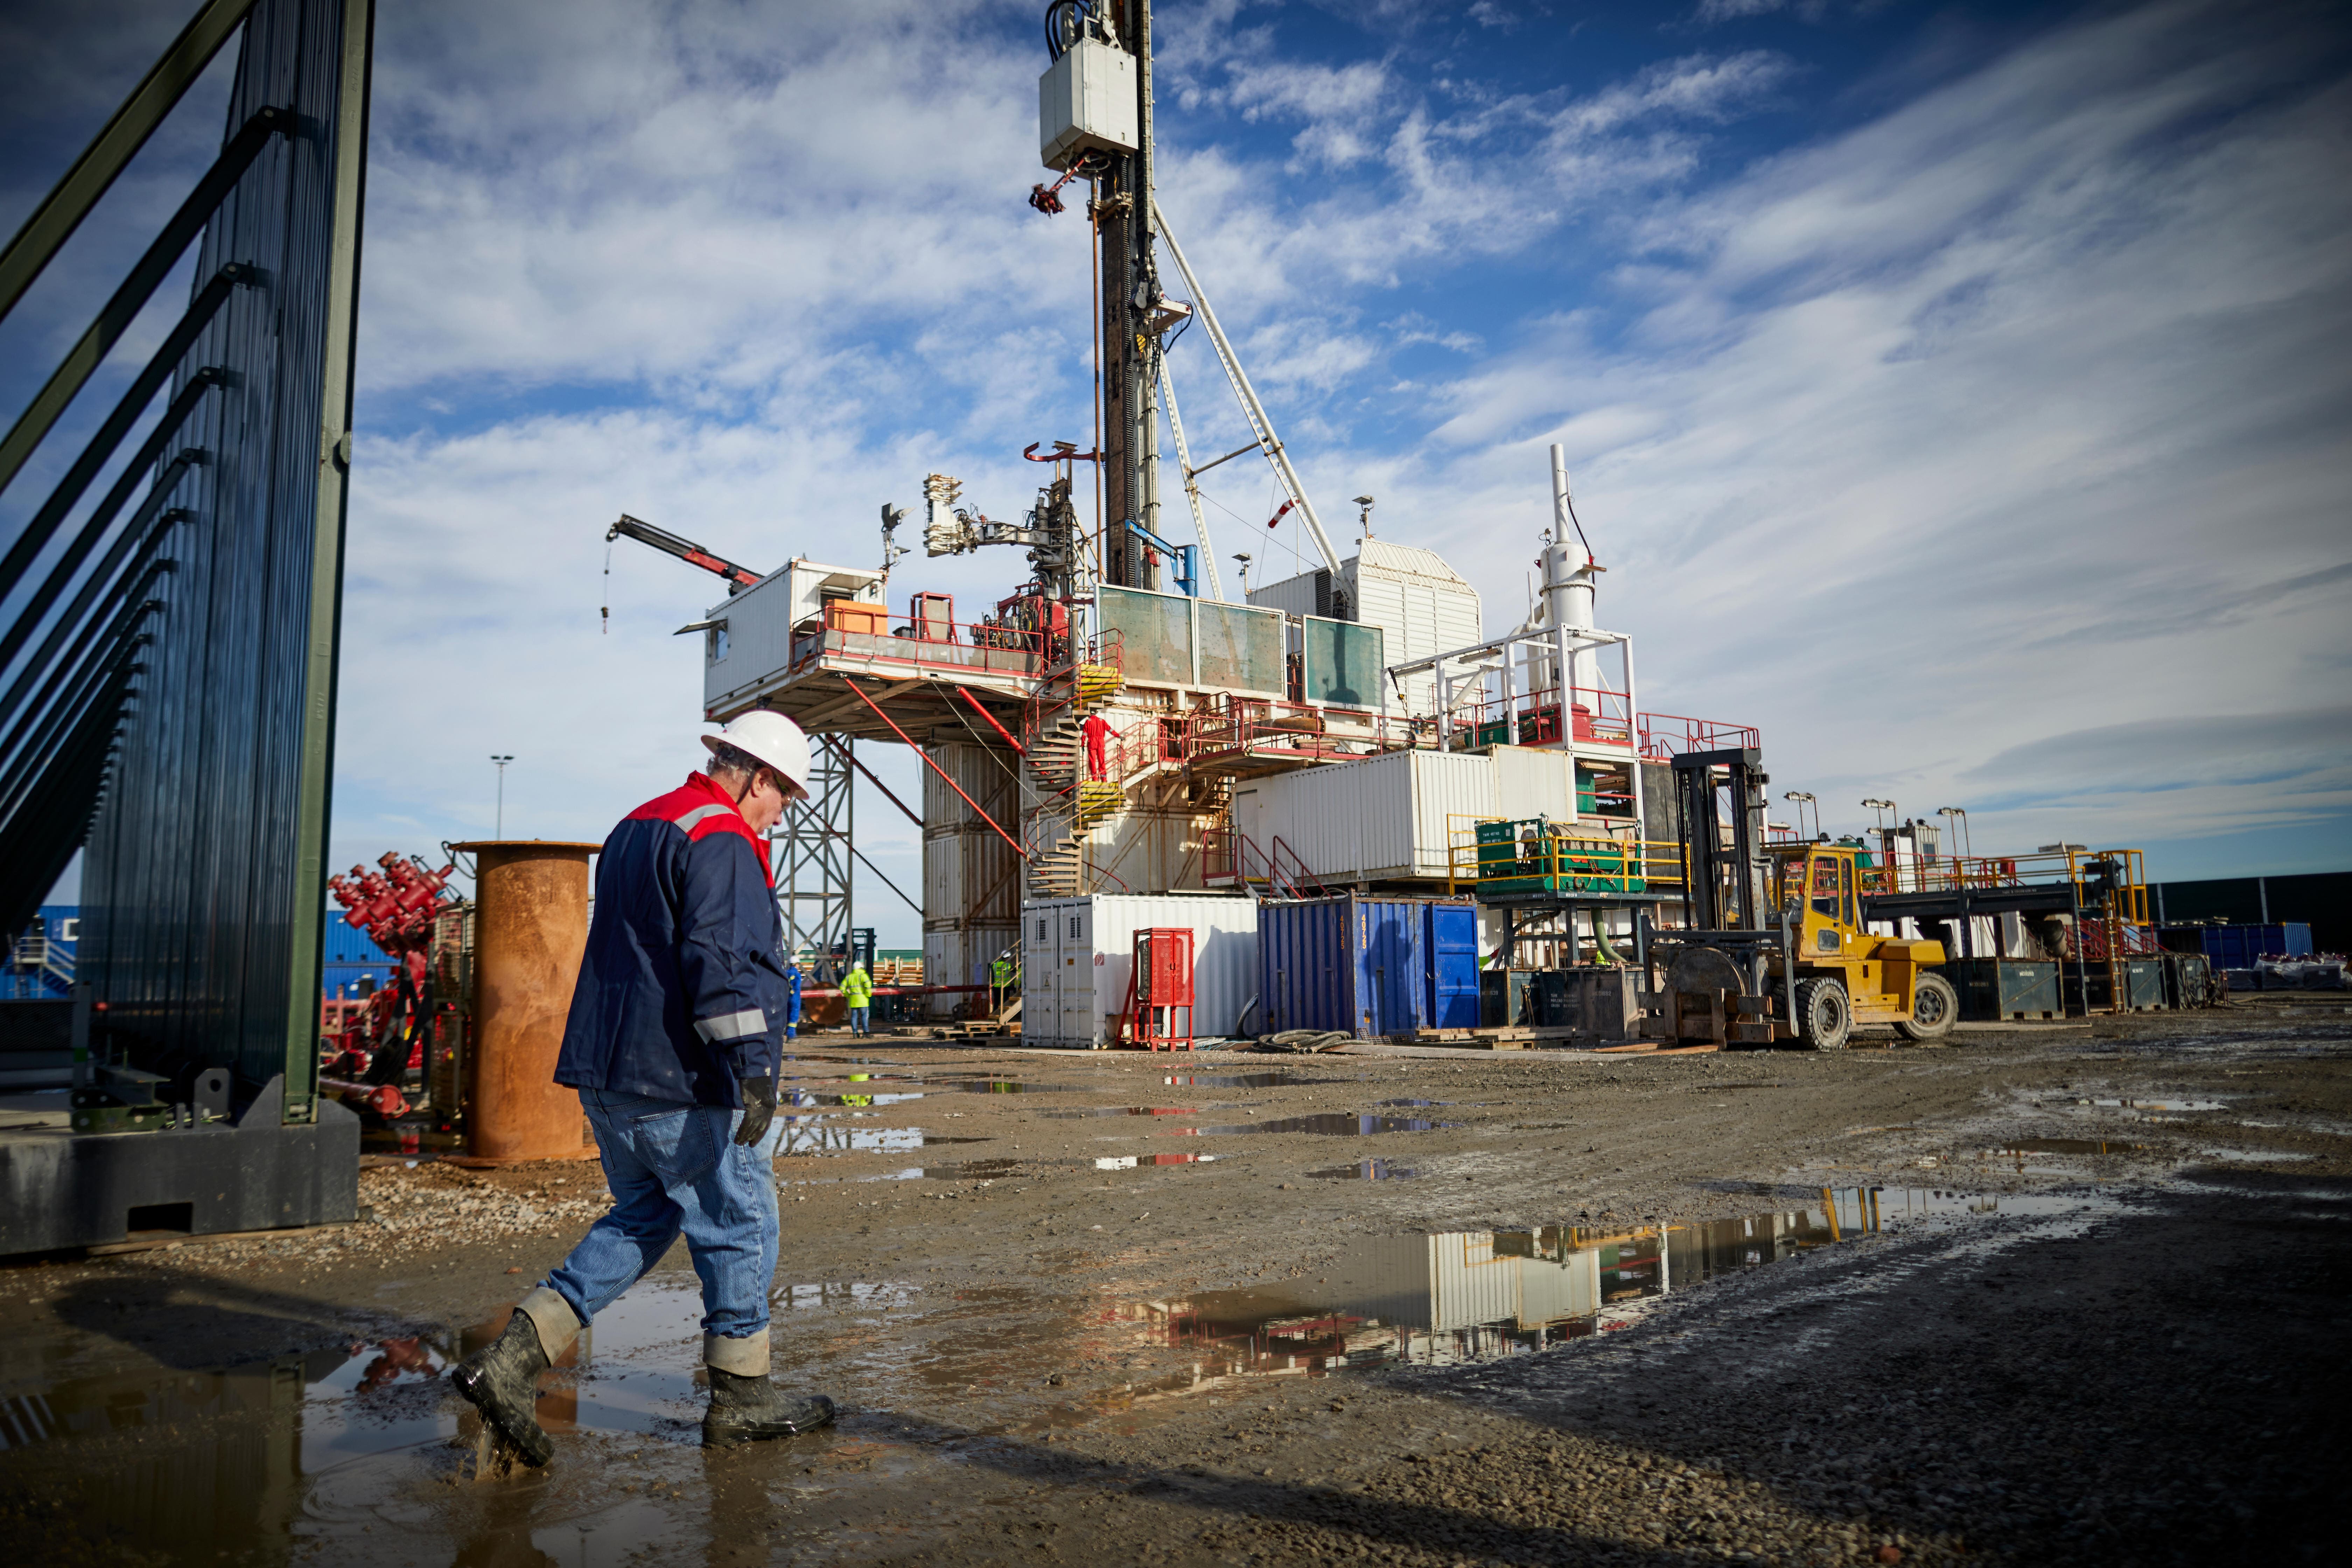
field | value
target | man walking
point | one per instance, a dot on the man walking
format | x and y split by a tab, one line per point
857	996
673	1044
792	1004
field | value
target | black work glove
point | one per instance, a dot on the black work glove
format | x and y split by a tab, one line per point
759	1108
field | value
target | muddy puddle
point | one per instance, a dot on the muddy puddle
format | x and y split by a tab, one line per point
1365	1171
2020	1146
1335	1124
359	1454
1246	1080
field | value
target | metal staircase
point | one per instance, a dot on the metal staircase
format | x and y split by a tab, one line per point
1069	804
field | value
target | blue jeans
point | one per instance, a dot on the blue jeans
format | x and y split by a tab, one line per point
861	1020
673	1168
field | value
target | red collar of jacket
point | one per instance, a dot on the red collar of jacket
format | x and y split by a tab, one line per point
701	790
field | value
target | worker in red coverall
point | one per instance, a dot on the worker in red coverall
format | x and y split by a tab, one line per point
1097	731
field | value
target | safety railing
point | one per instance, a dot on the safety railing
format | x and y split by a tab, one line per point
1228	857
1498	856
1668	735
1242	729
2099	877
861	630
1596	716
1074	685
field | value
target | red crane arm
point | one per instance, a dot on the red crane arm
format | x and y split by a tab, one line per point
685	550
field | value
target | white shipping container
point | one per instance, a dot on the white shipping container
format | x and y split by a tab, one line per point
1468	1284
1072	992
1530	783
1386	816
1550	1290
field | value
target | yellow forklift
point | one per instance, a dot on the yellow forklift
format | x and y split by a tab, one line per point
1775	949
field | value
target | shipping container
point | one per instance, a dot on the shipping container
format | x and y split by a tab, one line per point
1353	963
1999	988
1384	817
1077	955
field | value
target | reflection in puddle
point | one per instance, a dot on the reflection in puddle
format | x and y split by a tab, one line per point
1366	1171
1131	1161
816	1135
970	1170
1010	1085
805	1097
1334	1125
1467	1296
2061	1146
1121	1111
1245	1080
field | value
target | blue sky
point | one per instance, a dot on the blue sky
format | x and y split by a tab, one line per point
1960	393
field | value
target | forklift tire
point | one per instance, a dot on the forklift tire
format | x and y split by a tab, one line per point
1823	1020
1934	1008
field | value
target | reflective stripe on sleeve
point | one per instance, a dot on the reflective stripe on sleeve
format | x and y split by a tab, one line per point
698	815
732	1026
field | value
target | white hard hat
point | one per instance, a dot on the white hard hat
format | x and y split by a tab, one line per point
770	737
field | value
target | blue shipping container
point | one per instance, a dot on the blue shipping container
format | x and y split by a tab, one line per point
1452	939
1359	964
350	965
2237	947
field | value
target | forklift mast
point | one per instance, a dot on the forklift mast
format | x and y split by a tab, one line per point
1720	867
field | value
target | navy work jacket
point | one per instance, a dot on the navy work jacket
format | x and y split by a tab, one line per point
682	990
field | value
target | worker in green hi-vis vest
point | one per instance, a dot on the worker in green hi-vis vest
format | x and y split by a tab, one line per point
1000	980
857	996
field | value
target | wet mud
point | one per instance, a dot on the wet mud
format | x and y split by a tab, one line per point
2041	1296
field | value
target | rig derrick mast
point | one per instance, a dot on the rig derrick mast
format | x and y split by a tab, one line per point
1096	101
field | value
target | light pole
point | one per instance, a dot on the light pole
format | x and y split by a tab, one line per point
1882	807
1801	797
500	831
1949	812
1243	557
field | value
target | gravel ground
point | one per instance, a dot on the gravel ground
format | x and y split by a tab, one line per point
2136	1359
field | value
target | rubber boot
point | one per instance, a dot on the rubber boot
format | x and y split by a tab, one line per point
751	1409
502	1380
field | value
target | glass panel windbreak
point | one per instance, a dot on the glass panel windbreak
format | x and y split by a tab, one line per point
199	873
1344	663
1155	631
1241	649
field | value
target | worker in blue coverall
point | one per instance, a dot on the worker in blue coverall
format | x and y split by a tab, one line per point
673	1042
793	1009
